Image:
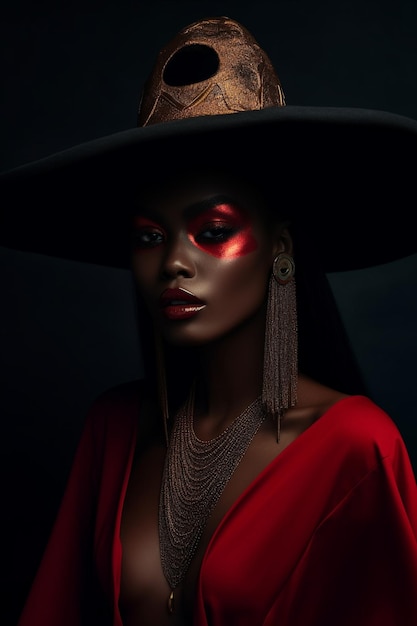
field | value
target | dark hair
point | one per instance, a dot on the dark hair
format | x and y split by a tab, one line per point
324	349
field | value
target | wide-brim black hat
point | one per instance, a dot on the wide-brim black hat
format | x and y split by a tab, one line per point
345	176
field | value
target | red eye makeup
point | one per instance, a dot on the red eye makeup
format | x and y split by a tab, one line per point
223	230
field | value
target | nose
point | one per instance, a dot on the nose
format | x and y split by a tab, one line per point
178	260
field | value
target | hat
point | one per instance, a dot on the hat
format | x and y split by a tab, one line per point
343	175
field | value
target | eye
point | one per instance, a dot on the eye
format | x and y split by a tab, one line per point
144	238
215	233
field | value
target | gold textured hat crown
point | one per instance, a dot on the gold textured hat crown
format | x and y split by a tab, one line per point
211	68
214	66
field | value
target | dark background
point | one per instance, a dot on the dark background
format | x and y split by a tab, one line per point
73	72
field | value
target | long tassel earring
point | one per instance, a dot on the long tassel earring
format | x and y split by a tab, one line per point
162	384
279	388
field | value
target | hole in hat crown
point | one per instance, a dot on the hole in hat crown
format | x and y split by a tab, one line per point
191	64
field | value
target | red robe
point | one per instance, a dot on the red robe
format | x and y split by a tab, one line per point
325	535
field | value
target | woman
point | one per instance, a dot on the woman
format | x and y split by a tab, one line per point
247	479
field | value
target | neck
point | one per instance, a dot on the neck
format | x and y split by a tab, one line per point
231	372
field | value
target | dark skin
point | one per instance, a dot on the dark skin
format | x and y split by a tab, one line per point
230	275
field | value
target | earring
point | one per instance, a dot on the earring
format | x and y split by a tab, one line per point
162	384
279	387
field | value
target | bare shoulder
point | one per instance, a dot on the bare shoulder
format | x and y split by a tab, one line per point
125	408
313	400
124	400
122	391
354	422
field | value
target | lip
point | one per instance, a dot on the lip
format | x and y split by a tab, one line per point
180	304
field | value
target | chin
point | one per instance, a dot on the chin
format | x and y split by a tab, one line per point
186	339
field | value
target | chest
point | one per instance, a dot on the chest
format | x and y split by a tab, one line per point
142	581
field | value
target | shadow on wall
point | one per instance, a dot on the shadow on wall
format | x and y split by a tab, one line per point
379	308
67	333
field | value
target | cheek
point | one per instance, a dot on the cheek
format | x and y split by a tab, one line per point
242	280
240	244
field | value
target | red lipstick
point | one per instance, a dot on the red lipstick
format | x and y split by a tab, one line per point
180	304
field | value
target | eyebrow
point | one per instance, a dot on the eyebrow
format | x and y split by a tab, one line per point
148	213
192	210
204	205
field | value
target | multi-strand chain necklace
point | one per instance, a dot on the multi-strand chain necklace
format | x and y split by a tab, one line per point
194	476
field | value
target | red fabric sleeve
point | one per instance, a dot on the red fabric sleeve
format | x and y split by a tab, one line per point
56	594
77	581
360	568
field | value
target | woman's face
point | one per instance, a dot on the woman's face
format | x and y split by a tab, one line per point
202	254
